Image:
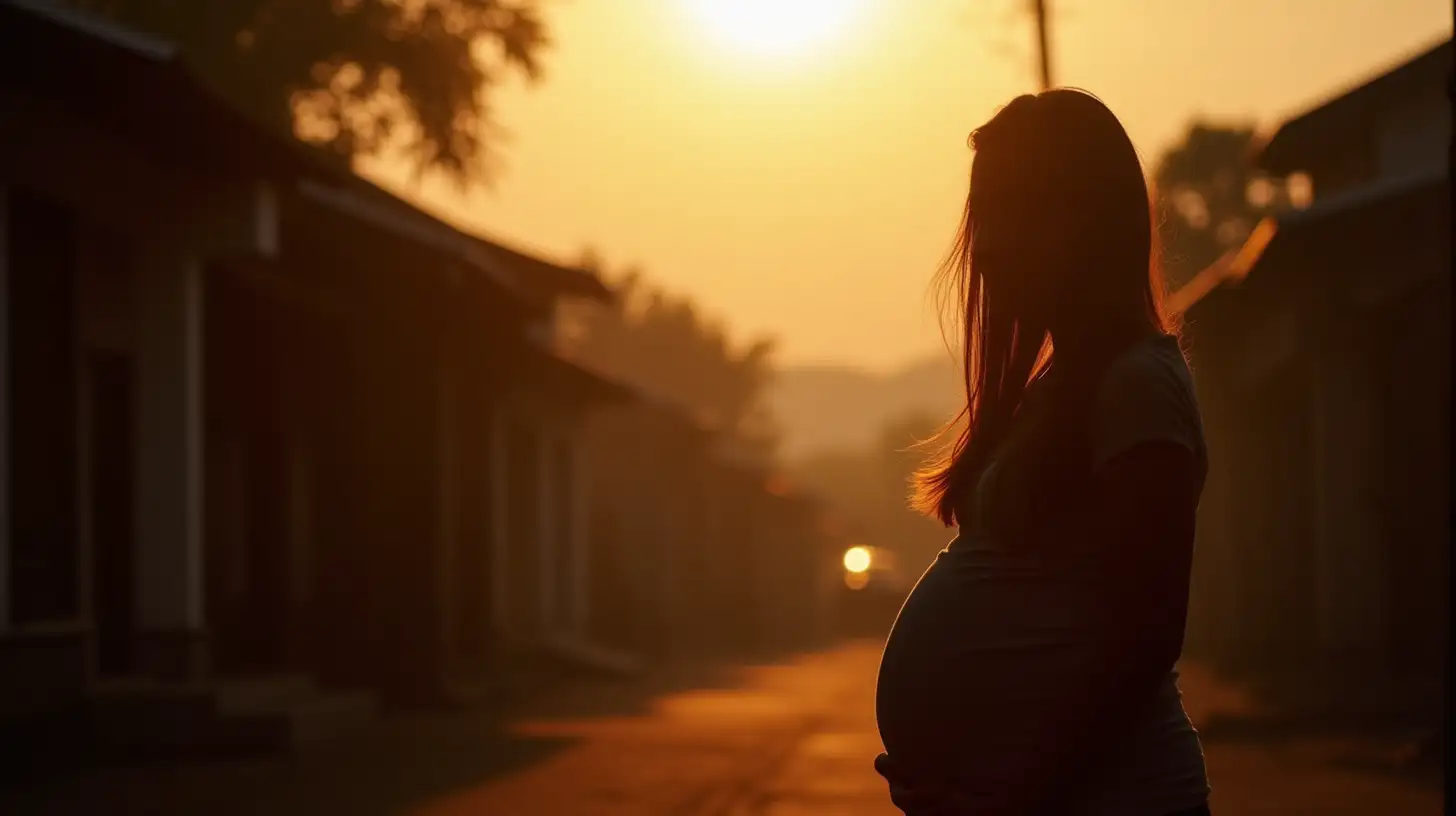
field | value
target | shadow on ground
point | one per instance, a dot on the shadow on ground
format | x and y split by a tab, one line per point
406	759
608	697
1362	725
386	771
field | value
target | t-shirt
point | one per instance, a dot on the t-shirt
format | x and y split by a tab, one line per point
1000	626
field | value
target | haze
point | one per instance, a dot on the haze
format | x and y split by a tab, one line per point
809	193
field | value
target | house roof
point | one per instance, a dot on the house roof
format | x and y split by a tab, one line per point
562	376
134	85
1288	150
1383	191
528	276
137	85
1361	230
138	43
1370	226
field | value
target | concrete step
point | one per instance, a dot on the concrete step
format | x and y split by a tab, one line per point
259	695
229	717
592	657
472	693
330	716
125	716
136	731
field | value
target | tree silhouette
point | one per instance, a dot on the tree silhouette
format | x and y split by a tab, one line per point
356	76
1210	197
663	344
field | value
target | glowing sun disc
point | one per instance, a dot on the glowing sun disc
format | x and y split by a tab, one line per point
774	26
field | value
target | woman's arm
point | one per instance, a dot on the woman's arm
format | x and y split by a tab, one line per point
1144	523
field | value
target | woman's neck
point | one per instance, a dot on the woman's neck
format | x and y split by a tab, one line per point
1082	351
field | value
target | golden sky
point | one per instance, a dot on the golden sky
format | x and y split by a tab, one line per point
809	192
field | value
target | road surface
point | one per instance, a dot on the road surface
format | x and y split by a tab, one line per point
795	737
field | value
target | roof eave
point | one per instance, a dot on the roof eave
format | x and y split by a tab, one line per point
1299	135
1274	157
136	43
548	280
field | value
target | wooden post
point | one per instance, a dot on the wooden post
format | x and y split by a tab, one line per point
1039	9
169	464
500	473
4	412
547	497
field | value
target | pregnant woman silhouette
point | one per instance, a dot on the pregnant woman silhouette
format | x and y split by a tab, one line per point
1031	671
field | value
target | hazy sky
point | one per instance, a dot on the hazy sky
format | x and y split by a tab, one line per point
809	193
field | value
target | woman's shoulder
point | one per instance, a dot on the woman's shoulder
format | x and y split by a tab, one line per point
1151	367
1146	394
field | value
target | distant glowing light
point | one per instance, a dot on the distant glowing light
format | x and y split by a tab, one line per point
1300	190
856	580
857	560
775	26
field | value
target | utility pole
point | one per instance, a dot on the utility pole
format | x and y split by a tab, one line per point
1039	9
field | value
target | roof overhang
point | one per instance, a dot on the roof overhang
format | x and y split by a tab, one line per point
1400	229
1291	147
528	278
1368	226
137	86
540	278
557	376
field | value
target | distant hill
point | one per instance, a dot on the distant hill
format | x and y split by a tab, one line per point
822	408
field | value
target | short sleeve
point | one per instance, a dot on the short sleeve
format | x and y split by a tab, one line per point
1146	395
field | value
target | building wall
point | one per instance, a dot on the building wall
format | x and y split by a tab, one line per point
1310	551
1346	439
44	534
1253	593
119	482
696	555
1349	168
82	559
102	416
43	657
1317	512
1413	138
641	511
1412	485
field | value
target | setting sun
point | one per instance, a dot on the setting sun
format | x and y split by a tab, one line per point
775	26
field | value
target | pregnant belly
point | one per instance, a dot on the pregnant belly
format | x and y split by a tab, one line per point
982	651
986	651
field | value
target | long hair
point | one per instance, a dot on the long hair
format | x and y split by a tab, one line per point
1057	238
